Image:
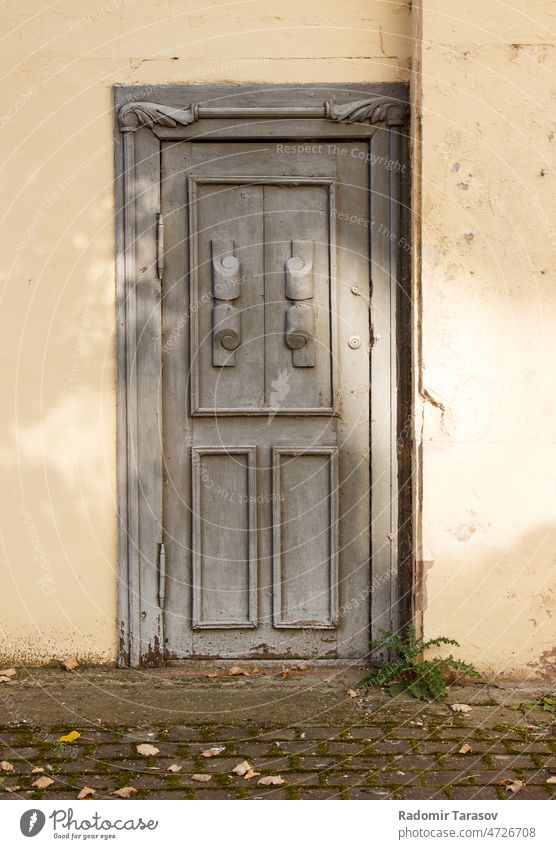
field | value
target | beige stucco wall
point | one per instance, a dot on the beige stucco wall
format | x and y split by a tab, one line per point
484	210
58	588
485	80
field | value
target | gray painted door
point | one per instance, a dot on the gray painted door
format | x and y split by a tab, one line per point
265	399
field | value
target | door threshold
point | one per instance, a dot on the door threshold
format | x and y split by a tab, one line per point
249	663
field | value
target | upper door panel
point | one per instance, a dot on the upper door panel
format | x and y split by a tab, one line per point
262	236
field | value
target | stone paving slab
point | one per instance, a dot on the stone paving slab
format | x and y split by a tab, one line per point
304	728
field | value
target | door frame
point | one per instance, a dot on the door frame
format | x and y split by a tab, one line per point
144	117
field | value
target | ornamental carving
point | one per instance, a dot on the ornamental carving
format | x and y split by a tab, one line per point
143	114
375	110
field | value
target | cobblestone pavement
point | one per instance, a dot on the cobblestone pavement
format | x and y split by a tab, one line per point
383	749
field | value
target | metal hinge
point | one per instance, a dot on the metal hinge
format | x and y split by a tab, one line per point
161	567
159	246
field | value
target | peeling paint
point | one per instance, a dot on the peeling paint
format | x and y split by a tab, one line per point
431	400
154	655
547	664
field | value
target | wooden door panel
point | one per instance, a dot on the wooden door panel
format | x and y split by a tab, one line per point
293	213
224	542
305	537
266	454
221	213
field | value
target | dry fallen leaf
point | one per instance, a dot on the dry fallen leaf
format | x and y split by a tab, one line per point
302	667
212	675
250	774
6	766
238	670
256	671
202	777
242	768
271	779
351	693
147	749
12	789
42	782
513	784
4	679
70	663
37	769
70	738
8	673
125	792
86	793
465	749
174	768
212	753
551	780
461	708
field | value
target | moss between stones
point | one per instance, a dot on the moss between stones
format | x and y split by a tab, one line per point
173	781
208	733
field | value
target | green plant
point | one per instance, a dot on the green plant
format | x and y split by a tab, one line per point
547	703
408	672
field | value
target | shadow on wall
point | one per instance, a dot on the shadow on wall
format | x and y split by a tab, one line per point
59	522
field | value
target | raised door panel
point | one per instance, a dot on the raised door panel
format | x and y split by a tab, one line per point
305	547
299	296
227	310
224	537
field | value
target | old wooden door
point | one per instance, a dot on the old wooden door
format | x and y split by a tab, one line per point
264	263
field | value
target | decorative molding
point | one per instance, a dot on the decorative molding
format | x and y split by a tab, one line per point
226	317
300	317
299	271
375	110
300	334
132	116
